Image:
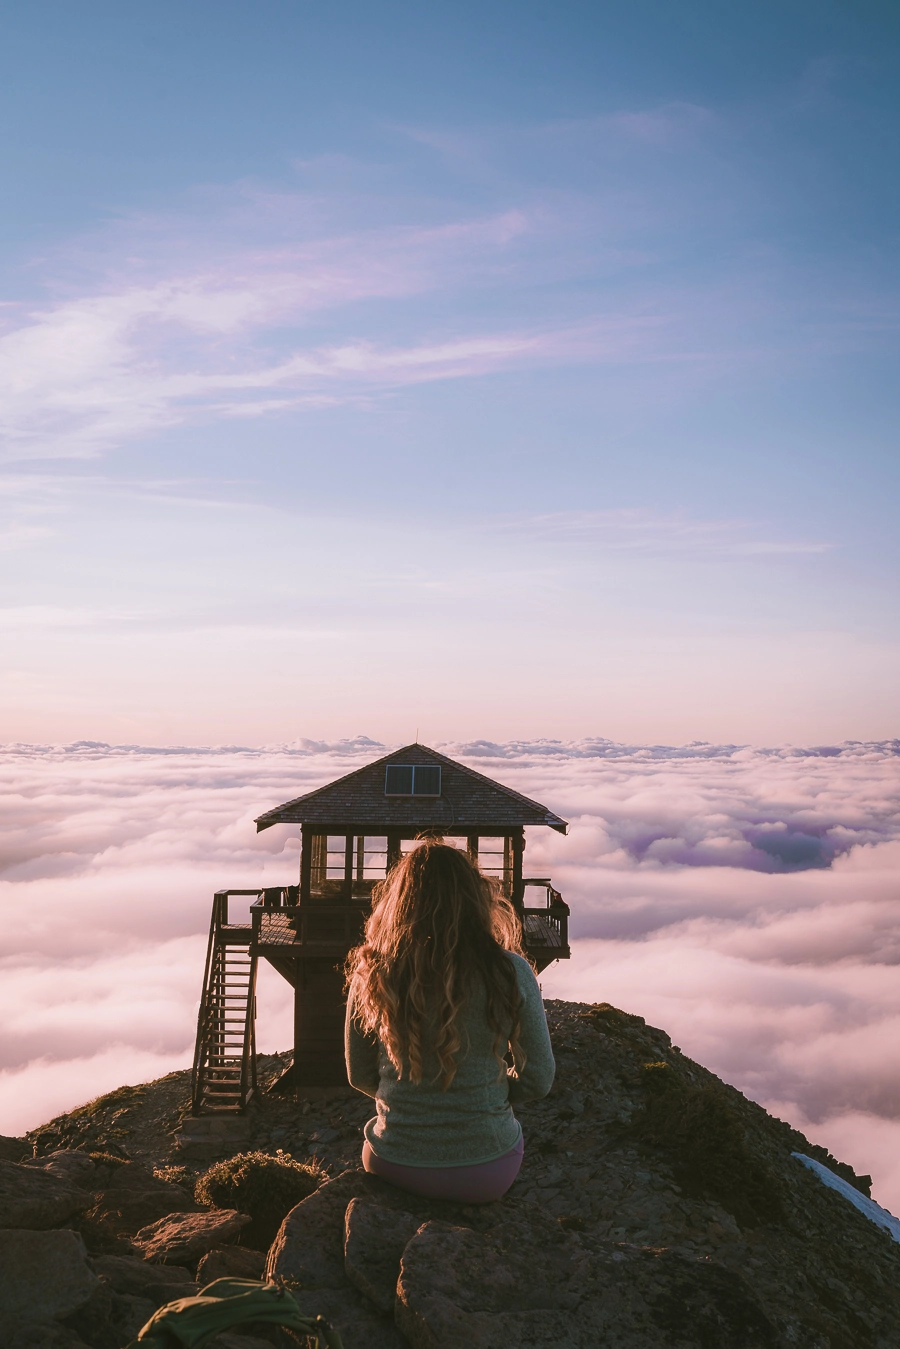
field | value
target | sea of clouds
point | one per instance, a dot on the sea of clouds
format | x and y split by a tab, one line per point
746	900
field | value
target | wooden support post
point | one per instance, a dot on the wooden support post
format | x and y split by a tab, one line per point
472	848
393	848
360	857
517	847
305	863
348	867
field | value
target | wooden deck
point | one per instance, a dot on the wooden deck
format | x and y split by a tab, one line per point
540	930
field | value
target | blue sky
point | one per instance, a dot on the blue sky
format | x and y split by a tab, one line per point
485	370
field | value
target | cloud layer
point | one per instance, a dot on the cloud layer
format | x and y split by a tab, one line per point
747	900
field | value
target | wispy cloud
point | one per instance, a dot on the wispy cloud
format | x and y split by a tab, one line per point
86	373
90	374
588	256
644	531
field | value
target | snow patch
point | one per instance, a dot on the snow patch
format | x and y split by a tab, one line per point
874	1212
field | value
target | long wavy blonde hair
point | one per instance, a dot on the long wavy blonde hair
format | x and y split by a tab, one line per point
437	927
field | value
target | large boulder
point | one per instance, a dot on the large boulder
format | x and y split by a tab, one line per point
517	1285
109	1320
309	1251
36	1199
157	1284
14	1149
133	1198
231	1262
68	1165
309	1247
183	1237
43	1276
375	1238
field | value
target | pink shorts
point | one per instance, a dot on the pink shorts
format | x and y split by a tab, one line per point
480	1184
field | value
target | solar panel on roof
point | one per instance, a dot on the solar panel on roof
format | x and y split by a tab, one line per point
412	780
398	780
426	780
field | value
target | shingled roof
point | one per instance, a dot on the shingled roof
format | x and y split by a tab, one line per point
468	802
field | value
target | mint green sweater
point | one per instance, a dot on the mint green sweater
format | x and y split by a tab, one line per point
472	1121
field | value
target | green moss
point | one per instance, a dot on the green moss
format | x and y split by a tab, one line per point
107	1159
264	1186
702	1137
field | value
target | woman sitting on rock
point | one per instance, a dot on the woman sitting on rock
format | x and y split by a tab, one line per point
440	998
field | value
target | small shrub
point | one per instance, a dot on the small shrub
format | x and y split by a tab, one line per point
264	1186
177	1175
107	1159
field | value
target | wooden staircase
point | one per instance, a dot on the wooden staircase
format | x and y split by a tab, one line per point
224	1073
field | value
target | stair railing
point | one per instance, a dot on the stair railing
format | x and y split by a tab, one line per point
248	1054
218	918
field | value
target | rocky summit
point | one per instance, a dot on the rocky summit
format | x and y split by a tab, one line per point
657	1208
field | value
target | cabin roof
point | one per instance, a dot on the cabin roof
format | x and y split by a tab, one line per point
469	801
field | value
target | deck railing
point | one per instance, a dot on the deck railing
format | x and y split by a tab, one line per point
278	920
546	924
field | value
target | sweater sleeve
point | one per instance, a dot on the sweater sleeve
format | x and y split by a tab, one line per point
360	1053
532	1078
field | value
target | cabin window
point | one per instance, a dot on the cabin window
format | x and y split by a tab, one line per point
412	780
336	858
370	859
328	864
495	859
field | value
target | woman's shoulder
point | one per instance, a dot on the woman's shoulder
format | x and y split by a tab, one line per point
524	972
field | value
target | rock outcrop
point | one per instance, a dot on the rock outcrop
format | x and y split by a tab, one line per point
43	1275
656	1208
31	1198
184	1237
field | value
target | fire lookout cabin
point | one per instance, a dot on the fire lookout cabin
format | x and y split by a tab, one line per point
352	833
